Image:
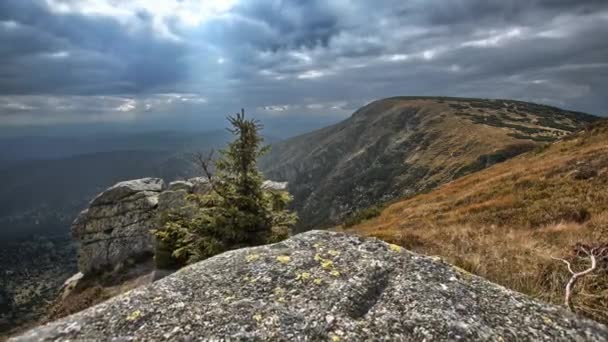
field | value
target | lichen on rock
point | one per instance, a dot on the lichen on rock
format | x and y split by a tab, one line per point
379	294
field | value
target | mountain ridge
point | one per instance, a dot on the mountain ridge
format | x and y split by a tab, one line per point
399	146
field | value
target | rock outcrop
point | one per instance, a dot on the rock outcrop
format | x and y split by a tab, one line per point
117	224
322	286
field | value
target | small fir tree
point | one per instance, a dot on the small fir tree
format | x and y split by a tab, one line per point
237	212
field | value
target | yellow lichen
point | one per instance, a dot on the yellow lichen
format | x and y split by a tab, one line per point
283	259
317	245
303	276
252	257
333	252
134	315
327	264
395	248
335	338
335	273
318	281
318	257
279	291
257	317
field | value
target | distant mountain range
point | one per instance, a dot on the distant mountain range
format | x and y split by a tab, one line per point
48	180
401	146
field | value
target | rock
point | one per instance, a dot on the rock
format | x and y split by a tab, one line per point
201	185
274	186
70	284
180	185
322	286
117	225
127	188
172	200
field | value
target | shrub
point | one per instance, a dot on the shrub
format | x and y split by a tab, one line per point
363	215
237	212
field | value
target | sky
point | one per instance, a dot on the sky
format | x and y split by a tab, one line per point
170	63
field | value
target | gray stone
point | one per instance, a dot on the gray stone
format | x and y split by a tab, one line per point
117	225
180	185
321	286
128	188
274	186
201	185
172	200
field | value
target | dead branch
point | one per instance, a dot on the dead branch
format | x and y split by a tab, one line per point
205	164
591	254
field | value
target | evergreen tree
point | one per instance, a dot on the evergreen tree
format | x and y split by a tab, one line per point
237	212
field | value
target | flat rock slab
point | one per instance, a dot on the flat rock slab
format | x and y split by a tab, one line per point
322	286
127	188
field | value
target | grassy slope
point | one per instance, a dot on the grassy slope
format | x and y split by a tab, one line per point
504	223
399	146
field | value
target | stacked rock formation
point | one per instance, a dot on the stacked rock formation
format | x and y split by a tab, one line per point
117	224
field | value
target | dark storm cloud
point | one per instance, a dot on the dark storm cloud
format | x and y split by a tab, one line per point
297	57
46	52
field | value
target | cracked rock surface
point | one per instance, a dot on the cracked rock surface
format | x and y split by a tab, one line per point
117	224
322	286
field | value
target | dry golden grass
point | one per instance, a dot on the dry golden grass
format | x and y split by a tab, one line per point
505	223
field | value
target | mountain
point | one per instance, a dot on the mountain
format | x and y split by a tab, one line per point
405	145
506	222
28	148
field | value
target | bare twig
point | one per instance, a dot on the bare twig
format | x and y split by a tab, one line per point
576	275
205	162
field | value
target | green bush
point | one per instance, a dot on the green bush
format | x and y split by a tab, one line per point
363	215
237	212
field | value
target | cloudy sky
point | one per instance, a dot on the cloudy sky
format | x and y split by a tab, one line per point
193	61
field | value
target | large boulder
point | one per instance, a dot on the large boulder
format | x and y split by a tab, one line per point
321	286
117	224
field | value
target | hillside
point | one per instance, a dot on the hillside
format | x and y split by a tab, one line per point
401	146
506	222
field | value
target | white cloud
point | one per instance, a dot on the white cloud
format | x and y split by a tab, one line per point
9	24
428	54
310	74
397	57
127	106
495	39
57	54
